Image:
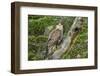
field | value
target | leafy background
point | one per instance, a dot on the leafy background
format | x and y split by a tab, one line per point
39	27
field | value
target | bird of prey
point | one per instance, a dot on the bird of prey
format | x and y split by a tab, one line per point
55	38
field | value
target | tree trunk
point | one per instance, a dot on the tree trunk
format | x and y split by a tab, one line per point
69	39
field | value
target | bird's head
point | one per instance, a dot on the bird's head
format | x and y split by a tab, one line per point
59	26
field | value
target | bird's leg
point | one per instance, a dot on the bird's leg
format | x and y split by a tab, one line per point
58	43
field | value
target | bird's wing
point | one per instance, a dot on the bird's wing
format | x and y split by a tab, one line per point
54	37
51	33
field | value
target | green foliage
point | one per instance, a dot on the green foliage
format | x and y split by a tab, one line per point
81	44
37	25
37	41
36	45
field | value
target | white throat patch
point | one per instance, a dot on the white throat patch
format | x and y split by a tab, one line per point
60	27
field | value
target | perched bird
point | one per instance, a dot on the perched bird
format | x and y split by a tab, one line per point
55	38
